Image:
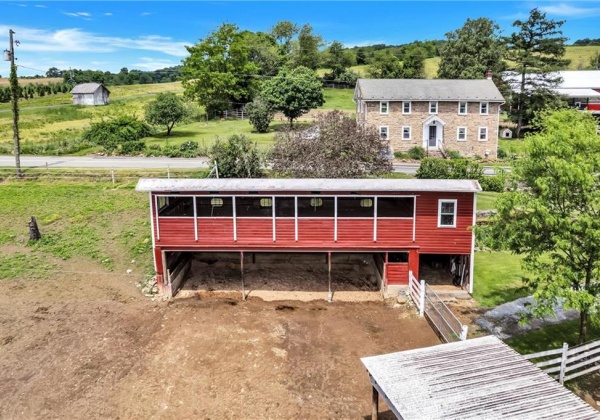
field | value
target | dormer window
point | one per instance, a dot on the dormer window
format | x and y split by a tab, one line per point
483	108
433	107
384	107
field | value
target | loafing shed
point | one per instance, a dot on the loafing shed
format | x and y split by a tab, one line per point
395	221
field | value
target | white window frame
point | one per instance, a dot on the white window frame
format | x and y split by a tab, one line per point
409	107
409	132
466	108
455	213
486	134
436	107
387	107
487	108
458	133
387	132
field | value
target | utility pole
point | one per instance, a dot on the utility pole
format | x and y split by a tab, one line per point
14	93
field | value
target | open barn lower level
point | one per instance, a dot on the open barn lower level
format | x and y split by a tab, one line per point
192	271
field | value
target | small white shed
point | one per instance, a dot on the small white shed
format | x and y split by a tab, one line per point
90	94
506	133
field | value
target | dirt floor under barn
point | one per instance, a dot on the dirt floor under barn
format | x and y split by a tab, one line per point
98	349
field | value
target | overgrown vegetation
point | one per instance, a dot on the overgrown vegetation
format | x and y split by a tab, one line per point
236	157
120	135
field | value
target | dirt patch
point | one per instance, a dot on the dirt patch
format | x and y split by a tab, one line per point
88	346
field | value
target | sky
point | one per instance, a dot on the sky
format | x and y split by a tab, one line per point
149	35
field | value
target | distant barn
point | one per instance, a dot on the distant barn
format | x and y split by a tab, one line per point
90	94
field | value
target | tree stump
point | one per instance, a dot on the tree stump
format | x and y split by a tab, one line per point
34	232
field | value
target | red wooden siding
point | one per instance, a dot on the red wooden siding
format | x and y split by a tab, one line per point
352	231
286	231
215	231
394	232
176	230
254	231
397	273
434	240
315	232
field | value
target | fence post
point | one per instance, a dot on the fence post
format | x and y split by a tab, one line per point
563	363
463	332
112	173
422	298
168	171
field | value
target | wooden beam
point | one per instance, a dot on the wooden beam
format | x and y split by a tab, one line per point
375	400
242	275
330	294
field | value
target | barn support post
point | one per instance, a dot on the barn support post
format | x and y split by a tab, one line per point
242	275
375	401
563	363
330	294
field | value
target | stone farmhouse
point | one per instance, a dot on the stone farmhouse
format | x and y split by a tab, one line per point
438	115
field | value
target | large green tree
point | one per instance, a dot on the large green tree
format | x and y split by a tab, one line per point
263	52
167	110
535	51
472	50
337	59
283	32
218	72
385	65
294	92
552	215
305	51
336	146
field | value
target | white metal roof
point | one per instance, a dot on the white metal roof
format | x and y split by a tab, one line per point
481	378
579	93
87	88
305	184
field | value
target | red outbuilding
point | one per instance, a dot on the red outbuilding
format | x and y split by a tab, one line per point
401	223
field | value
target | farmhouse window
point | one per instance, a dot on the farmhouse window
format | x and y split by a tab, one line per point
433	107
395	206
214	206
483	108
384	107
406	133
354	207
253	207
483	133
461	133
285	207
383	132
462	108
316	207
447	213
406	107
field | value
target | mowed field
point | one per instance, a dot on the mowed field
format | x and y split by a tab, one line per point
4	81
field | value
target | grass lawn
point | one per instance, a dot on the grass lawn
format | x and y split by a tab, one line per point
497	278
339	99
98	221
486	200
512	146
580	56
552	337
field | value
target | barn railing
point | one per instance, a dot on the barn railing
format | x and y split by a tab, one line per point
430	305
570	363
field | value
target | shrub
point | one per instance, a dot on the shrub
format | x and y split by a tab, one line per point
260	114
434	168
237	157
492	183
453	154
416	153
131	147
112	134
153	150
400	155
502	153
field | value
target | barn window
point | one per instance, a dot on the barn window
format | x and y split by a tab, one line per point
316	207
398	257
447	213
214	206
395	206
163	201
285	207
354	207
177	207
253	207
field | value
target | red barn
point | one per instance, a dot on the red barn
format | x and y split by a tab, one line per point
400	222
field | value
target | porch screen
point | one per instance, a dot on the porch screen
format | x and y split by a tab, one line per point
214	206
356	206
395	206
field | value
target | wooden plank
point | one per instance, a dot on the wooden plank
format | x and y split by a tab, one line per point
582	364
549	362
583	355
583	347
583	372
542	354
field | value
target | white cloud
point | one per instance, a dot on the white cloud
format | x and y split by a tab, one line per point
564	9
145	14
76	40
148	63
41	6
107	14
78	14
22	5
364	43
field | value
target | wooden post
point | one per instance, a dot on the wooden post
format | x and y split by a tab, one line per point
422	298
242	274
168	172
375	399
563	363
330	294
112	172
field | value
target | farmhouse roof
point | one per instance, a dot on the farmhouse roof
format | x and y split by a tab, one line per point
88	88
427	89
481	378
311	184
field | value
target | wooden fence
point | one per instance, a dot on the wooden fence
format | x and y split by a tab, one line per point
567	363
435	310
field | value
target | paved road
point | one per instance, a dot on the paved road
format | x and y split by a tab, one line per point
147	163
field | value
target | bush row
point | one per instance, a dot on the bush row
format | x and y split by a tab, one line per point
434	168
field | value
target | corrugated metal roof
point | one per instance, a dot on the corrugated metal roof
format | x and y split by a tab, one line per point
579	93
481	378
571	79
307	184
87	88
428	89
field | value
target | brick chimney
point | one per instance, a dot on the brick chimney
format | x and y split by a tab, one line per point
488	74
